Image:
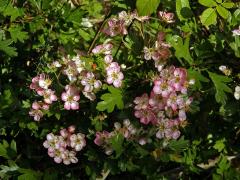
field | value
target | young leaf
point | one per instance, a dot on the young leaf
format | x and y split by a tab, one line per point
209	17
110	100
4	46
222	12
219	82
183	9
145	8
208	3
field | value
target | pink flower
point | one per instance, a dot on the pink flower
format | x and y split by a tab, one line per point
166	16
157	101
161	87
36	114
44	82
172	101
71	96
141	102
103	49
114	75
49	96
90	83
101	137
77	141
146	116
115	27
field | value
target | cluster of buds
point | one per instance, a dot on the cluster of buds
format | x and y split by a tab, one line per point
237	93
166	17
64	147
118	25
113	70
40	84
159	53
166	107
103	139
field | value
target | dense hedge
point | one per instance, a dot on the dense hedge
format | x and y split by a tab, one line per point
101	89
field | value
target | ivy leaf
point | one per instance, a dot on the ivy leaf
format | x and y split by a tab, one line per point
219	82
17	34
183	9
208	3
4	46
224	13
145	8
209	17
110	100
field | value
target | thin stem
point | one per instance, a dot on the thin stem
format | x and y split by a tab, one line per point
98	33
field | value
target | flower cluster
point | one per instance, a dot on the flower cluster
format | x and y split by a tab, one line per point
81	79
103	139
40	84
167	105
64	147
166	16
237	93
159	53
118	25
113	70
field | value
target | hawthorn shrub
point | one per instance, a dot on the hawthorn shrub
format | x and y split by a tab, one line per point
141	89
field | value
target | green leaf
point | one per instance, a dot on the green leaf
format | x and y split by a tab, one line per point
183	9
3	152
198	77
13	12
219	1
209	17
182	48
17	34
219	82
228	5
110	100
178	145
116	142
13	146
208	3
148	7
4	46
223	12
75	16
3	4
